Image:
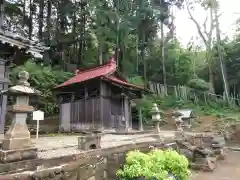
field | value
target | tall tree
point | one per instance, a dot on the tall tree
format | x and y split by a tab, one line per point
220	49
40	24
204	32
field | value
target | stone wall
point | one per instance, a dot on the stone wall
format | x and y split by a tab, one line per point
99	164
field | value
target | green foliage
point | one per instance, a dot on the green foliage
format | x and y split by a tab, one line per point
83	32
218	108
44	79
138	80
198	84
146	105
157	165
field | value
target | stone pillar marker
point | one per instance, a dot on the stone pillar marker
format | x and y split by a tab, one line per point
17	143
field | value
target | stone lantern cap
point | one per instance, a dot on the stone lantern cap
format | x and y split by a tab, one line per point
155	109
177	114
22	87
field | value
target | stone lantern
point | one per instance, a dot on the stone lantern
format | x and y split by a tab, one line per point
178	120
17	143
156	116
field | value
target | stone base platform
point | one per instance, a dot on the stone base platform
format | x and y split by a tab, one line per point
7	156
91	141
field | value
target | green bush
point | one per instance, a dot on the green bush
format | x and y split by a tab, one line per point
198	84
156	165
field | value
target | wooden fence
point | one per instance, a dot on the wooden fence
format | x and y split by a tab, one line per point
189	94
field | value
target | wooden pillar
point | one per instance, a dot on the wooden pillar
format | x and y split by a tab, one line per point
85	105
3	98
140	120
126	113
130	114
101	104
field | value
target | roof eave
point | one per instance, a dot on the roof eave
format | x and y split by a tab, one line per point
133	87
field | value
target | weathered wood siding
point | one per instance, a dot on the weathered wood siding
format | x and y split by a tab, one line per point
108	122
85	114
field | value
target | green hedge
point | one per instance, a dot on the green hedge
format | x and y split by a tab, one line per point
156	165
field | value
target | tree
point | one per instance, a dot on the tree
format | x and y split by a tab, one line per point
204	33
220	50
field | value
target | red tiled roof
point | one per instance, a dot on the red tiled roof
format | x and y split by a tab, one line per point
105	71
99	71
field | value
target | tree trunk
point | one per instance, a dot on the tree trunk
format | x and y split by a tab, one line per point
220	55
206	36
1	14
163	55
40	20
49	14
74	32
144	61
30	28
100	54
211	76
24	14
82	35
137	60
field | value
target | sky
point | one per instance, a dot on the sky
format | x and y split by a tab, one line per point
186	29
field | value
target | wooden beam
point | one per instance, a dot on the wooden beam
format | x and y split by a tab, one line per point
126	113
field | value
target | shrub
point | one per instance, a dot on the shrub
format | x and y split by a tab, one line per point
198	84
157	165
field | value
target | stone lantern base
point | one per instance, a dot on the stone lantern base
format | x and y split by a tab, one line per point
17	145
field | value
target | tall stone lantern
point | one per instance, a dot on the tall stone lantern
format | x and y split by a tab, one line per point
17	143
156	116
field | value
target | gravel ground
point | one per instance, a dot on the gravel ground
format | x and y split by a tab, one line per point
50	147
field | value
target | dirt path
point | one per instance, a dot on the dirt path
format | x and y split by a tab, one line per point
228	169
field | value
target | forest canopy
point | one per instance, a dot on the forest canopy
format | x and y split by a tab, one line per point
142	34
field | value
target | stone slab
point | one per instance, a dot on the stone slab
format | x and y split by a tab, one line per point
7	156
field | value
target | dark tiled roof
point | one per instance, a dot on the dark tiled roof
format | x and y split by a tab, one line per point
33	47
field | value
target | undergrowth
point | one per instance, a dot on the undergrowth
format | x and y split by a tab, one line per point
220	110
